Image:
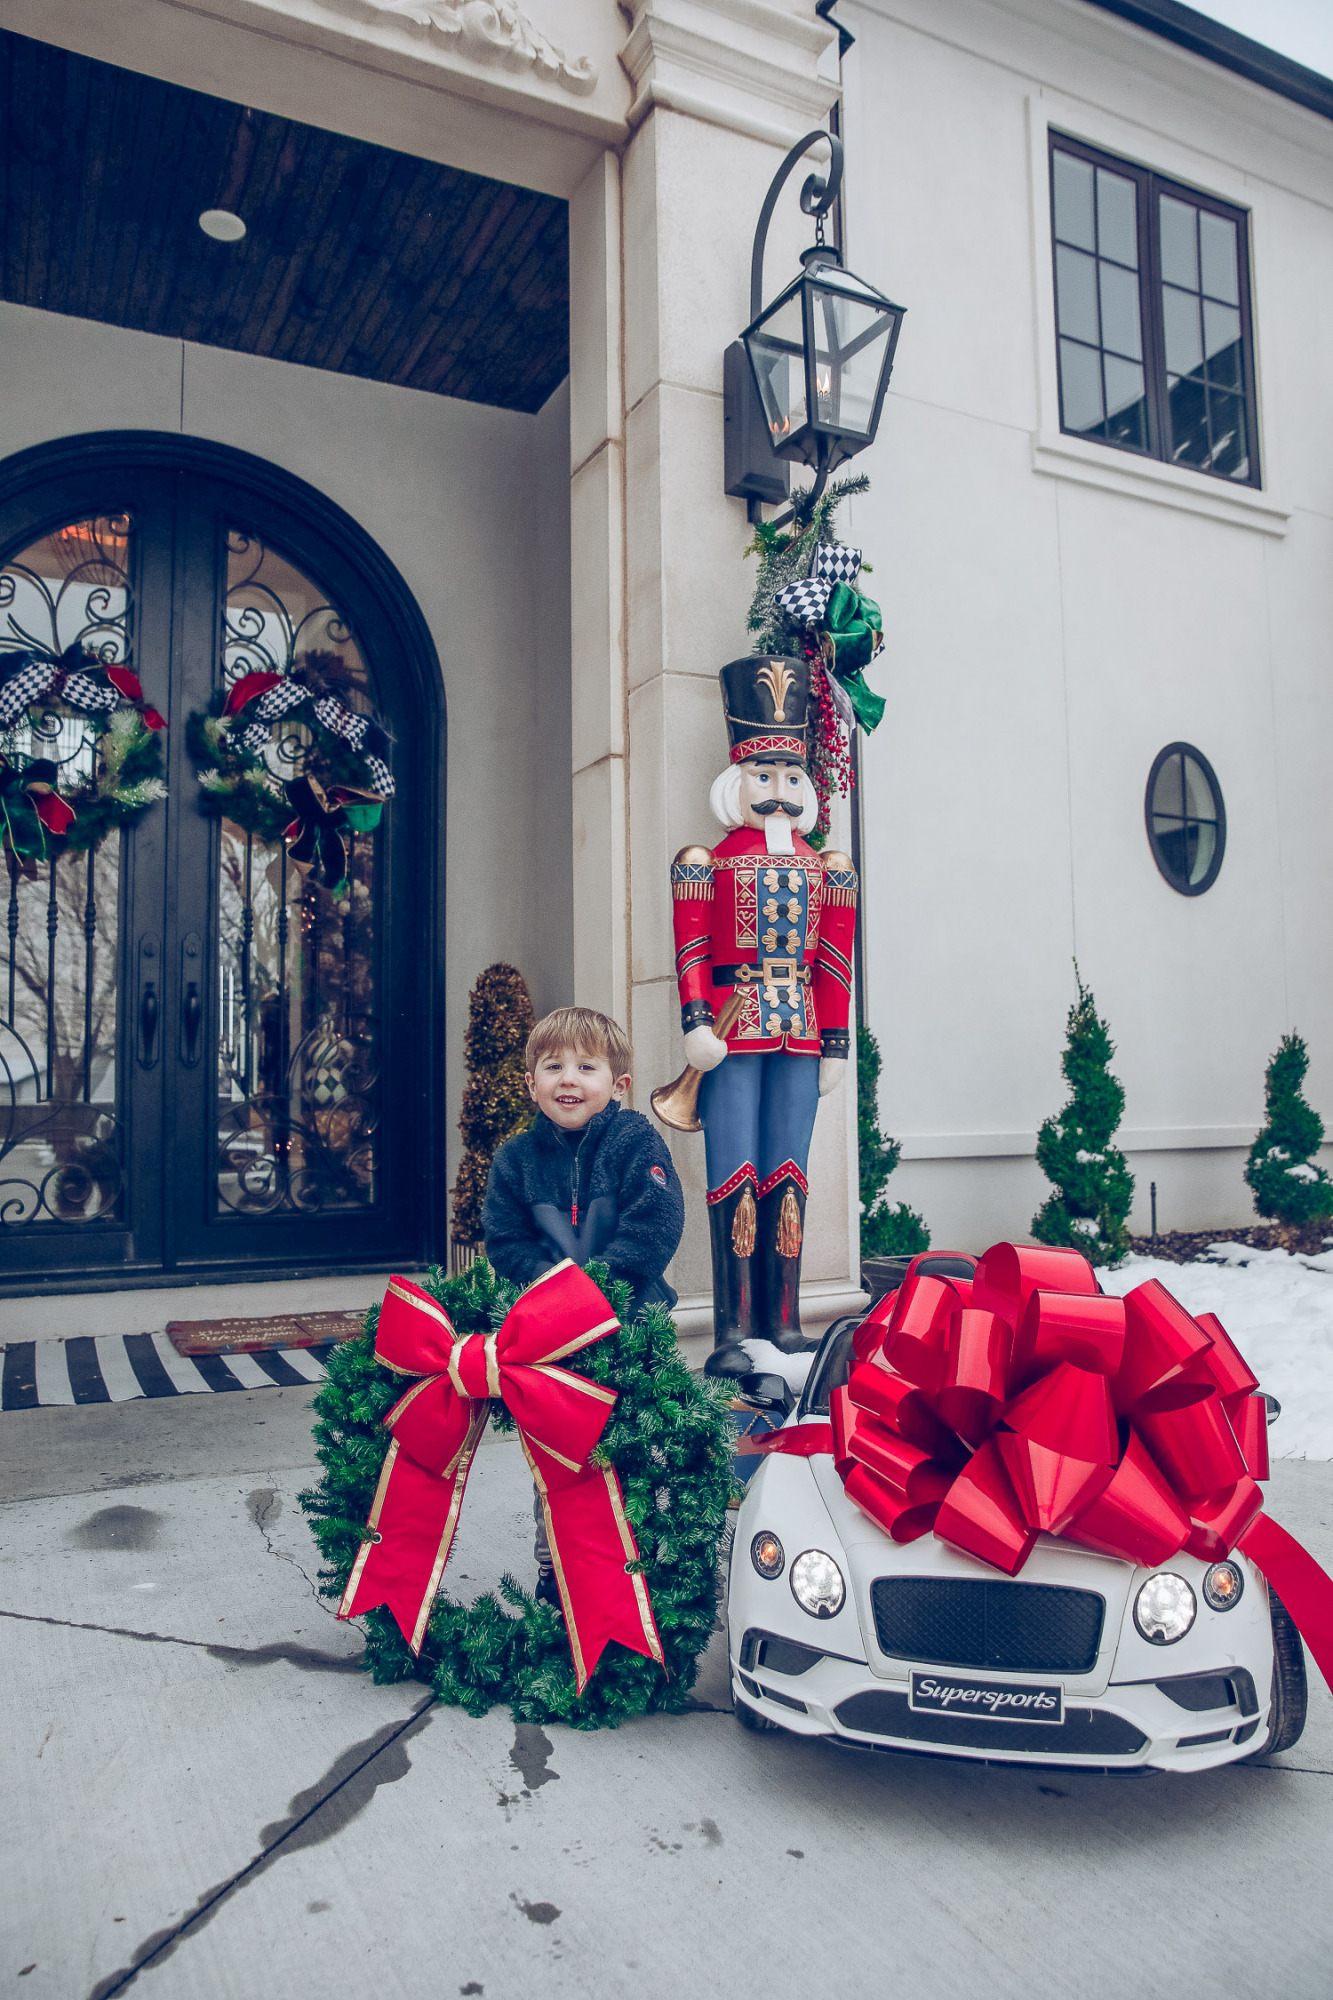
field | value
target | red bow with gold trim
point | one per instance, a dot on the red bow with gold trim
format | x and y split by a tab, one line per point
436	1428
1024	1401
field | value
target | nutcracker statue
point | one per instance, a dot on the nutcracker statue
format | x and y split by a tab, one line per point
764	929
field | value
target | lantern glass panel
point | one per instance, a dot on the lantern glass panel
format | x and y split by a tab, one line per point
851	345
777	351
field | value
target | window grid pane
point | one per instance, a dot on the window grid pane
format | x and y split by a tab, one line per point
1192	366
1098	311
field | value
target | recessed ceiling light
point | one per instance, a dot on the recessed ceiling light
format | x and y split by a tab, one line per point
222	225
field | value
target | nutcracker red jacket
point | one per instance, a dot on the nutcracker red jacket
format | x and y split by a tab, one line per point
738	906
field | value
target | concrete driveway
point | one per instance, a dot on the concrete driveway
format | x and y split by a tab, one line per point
204	1797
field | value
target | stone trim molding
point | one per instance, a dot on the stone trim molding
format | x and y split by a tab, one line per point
1023	1145
741	64
493	31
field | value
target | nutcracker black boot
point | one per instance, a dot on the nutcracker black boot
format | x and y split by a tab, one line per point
731	1228
781	1234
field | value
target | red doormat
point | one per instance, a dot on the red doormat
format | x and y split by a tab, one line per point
250	1336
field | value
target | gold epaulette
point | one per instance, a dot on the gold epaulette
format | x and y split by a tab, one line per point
839	879
692	874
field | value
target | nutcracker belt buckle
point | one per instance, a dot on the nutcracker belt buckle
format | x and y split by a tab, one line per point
779	972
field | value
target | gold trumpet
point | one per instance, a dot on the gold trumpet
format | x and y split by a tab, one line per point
677	1104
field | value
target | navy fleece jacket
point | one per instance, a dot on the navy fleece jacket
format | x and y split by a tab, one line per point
614	1195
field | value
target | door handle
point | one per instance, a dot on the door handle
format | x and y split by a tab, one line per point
192	1007
149	1005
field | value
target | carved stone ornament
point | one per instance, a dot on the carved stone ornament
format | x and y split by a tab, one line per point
495	31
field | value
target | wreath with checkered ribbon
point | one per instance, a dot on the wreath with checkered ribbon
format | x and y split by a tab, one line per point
283	757
50	802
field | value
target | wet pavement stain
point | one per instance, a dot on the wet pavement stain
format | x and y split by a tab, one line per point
117	1528
530	1755
263	1506
536	1913
313	1816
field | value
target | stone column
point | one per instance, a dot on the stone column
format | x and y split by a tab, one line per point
661	588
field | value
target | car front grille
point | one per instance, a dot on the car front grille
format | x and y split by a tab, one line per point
1085	1732
1015	1627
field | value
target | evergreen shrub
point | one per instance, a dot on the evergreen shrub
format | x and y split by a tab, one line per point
670	1441
1093	1186
496	1104
885	1231
1288	1184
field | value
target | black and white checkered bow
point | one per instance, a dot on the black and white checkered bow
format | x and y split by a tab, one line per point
360	731
23	684
803	604
836	562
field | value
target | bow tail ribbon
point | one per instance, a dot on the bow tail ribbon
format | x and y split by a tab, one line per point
1305	1588
560	1416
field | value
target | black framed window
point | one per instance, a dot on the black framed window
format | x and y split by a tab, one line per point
1152	302
1187	820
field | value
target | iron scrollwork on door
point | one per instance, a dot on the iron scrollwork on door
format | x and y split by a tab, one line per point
298	1038
61	1157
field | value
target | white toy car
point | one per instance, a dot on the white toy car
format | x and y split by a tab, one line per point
1083	1660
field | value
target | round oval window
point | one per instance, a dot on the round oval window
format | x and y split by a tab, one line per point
1187	822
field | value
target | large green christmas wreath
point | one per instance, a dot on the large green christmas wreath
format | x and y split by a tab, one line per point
670	1442
48	805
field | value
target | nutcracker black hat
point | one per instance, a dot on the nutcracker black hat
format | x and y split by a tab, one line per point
767	703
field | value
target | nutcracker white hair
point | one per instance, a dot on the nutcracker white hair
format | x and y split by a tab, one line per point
724	799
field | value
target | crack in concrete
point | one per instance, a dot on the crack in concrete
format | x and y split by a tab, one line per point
263	1505
304	1657
347	1788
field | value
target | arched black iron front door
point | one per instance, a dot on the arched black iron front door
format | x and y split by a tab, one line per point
212	1061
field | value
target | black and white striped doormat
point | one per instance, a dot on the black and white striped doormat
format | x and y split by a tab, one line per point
121	1367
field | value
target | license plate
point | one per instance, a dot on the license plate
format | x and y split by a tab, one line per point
1004	1701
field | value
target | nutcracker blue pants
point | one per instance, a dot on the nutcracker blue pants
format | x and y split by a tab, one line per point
758	1111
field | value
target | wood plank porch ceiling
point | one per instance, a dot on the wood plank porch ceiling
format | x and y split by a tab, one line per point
356	259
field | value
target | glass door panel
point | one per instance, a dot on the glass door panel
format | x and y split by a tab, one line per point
298	1040
61	1139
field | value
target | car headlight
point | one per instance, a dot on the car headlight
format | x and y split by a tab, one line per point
817	1585
1164	1609
1222	1586
766	1553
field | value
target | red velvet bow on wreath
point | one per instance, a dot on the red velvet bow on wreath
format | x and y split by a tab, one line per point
1024	1401
560	1415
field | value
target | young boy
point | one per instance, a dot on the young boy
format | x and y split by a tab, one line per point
589	1178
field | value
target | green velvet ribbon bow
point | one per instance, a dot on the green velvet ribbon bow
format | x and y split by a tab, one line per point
855	626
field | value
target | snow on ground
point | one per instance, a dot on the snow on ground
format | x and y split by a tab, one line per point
1279	1311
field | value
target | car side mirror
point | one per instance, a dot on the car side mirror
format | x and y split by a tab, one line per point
766	1392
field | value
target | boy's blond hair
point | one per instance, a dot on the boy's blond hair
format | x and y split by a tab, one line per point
582	1029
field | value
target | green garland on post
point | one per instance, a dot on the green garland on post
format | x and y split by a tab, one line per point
670	1442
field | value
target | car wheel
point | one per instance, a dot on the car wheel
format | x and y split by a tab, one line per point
1290	1693
750	1718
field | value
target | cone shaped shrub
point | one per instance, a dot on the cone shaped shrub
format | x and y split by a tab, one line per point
1288	1183
670	1441
1093	1185
885	1231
